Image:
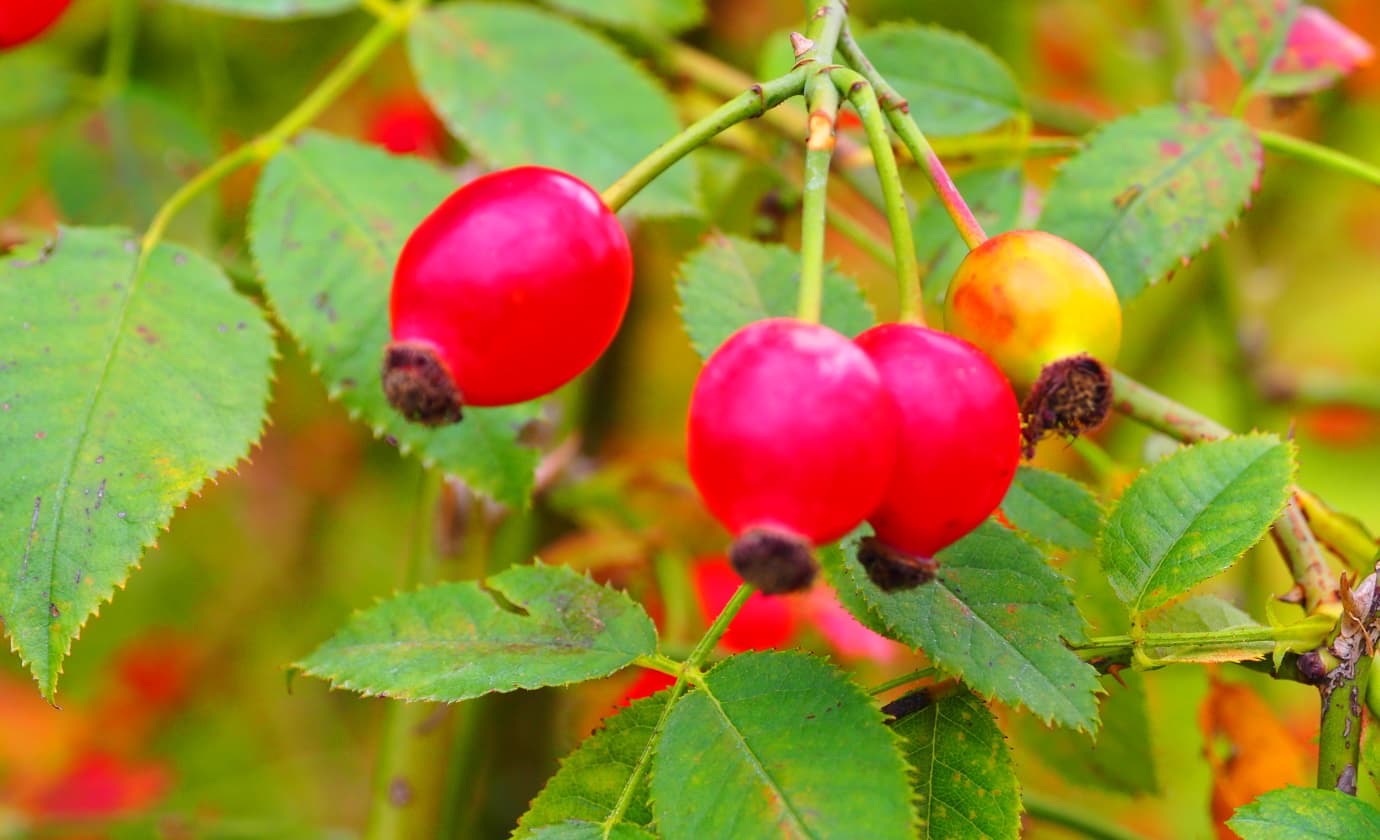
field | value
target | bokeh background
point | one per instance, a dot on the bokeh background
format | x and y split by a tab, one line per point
177	715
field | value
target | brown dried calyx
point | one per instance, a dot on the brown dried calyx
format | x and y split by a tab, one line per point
418	384
892	569
776	562
1073	395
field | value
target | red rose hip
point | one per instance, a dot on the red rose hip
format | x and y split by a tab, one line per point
512	287
791	443
957	452
24	20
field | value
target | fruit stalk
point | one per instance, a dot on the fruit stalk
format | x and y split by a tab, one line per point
898	113
864	99
689	669
359	59
816	53
753	102
119	49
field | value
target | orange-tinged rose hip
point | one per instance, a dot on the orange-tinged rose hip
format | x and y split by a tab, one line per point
1029	298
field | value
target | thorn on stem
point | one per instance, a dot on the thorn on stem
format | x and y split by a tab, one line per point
801	45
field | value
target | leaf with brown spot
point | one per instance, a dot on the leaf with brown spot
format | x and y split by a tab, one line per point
105	431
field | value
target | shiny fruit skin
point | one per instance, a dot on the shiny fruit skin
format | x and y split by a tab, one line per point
762	624
1028	298
519	281
959	439
790	430
24	20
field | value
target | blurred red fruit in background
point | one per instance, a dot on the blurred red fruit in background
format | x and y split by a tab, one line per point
405	125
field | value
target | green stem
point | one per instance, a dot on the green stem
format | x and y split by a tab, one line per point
864	99
1058	812
1339	739
1305	558
1153	409
691	665
1102	646
358	60
905	679
1321	155
753	102
401	776
898	113
822	104
119	49
1098	461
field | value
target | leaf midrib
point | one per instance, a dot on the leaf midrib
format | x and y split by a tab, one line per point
1146	585
756	764
140	263
1154	186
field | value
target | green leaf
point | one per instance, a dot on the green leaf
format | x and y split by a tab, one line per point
1153	189
1297	813
997	616
456	641
592	778
954	85
523	87
120	162
833	562
1190	516
779	745
122	390
964	776
36	83
730	282
994	194
329	219
577	830
273	8
1053	508
1251	34
1120	758
656	15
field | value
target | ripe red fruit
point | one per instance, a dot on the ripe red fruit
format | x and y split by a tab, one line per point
762	624
512	287
24	20
959	446
791	443
405	125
